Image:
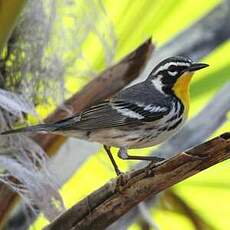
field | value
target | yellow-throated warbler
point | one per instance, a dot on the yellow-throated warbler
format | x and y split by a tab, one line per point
140	116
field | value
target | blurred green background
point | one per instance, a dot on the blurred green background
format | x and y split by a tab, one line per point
134	21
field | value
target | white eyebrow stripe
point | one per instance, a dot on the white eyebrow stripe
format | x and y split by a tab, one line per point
166	66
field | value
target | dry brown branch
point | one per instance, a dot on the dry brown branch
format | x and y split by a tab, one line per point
106	84
8	199
107	204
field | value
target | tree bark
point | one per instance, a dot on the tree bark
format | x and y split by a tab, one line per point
107	204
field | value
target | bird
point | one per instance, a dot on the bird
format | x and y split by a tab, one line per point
143	115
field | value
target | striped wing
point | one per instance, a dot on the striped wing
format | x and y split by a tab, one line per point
113	113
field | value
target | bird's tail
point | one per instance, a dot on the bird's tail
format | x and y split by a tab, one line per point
62	125
36	128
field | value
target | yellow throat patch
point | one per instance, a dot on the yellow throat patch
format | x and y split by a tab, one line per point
181	89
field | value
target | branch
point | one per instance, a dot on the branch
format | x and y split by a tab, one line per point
107	204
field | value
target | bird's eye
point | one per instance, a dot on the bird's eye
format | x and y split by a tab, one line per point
172	68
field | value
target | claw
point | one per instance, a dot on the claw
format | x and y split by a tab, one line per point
122	180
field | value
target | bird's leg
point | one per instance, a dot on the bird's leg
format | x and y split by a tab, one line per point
122	153
121	180
117	170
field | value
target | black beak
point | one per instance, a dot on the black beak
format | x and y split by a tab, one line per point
197	66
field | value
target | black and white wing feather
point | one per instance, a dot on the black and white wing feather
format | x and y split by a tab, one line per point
131	107
114	113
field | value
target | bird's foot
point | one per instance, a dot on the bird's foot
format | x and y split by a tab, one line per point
149	170
121	181
122	153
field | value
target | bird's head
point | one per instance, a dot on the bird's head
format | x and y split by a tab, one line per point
173	75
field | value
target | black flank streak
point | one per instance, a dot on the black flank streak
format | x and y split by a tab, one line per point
142	139
133	139
175	125
181	109
150	128
118	136
174	117
163	129
176	105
